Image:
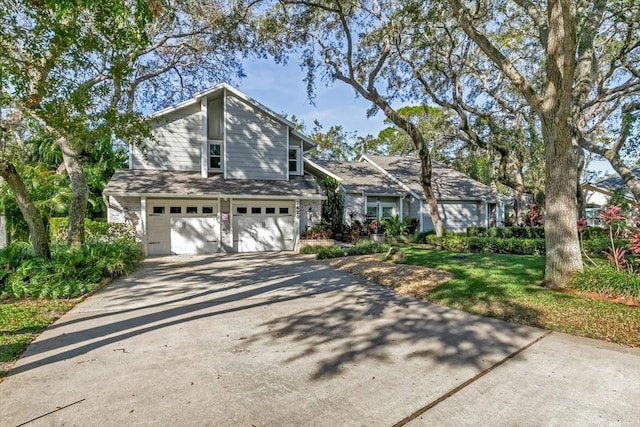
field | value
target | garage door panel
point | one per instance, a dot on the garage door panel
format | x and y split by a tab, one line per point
182	226
261	232
194	235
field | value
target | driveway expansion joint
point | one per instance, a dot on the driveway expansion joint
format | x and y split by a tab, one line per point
468	382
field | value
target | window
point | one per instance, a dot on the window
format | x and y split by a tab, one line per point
387	211
270	211
158	209
372	211
207	210
175	209
192	209
215	156
241	210
284	211
256	210
294	161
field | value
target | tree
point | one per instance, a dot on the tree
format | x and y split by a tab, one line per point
551	101
351	42
84	71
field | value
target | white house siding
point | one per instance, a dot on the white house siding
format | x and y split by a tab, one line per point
353	208
411	208
126	210
256	146
456	216
177	142
316	213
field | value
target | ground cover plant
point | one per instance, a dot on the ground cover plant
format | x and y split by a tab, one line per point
508	287
34	291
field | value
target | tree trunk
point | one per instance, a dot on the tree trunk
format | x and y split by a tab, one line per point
425	181
37	229
79	193
422	150
627	176
563	256
580	200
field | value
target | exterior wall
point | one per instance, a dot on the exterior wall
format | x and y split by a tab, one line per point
126	210
595	198
309	218
256	145
353	208
411	208
3	231
177	145
456	216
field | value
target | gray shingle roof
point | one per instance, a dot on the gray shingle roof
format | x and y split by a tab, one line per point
127	182
356	177
615	182
448	183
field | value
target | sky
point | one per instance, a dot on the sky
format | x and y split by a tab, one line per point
283	90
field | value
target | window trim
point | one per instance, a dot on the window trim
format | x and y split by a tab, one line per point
219	143
298	150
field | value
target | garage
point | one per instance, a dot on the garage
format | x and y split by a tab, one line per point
263	225
177	226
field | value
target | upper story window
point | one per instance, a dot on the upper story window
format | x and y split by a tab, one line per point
295	161
215	156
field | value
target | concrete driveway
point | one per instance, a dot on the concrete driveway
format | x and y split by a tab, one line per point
277	340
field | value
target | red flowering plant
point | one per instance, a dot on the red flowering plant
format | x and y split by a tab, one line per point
611	216
533	218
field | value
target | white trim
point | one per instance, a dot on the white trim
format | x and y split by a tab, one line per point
204	144
299	162
321	169
224	133
143	219
393	178
216	195
420	216
222	157
130	156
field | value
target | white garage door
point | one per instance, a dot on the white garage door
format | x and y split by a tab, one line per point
182	227
456	216
263	226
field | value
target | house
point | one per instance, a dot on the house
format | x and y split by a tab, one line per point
597	195
223	174
382	186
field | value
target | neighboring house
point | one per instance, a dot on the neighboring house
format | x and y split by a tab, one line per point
597	195
381	186
224	174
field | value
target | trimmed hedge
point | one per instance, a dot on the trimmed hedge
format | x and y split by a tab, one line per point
516	246
606	280
507	232
361	248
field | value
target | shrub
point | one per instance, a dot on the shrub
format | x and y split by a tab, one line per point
309	249
392	225
477	231
367	248
319	231
607	280
507	232
95	231
330	252
71	272
457	243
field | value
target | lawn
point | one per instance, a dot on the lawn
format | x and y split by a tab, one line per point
507	287
21	321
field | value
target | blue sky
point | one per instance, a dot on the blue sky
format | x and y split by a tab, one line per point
282	89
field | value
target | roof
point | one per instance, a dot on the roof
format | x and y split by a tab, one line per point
158	183
219	89
613	183
447	183
356	177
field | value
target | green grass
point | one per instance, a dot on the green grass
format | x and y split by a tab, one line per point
21	321
508	287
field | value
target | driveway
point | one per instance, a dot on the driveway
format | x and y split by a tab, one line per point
278	340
